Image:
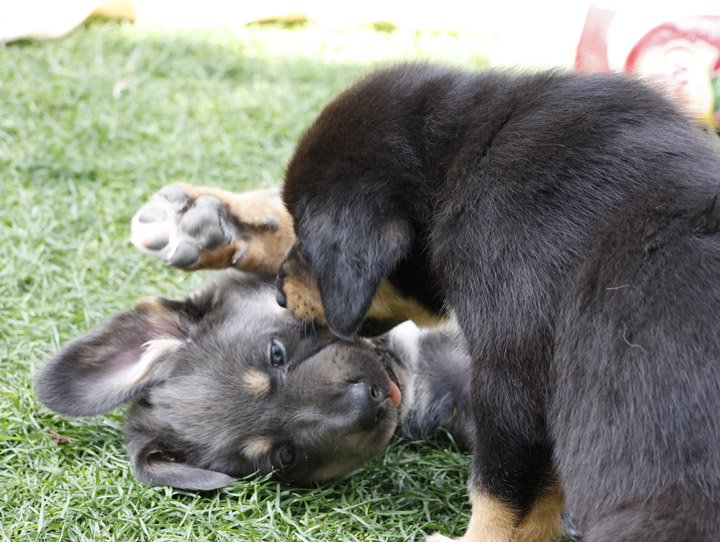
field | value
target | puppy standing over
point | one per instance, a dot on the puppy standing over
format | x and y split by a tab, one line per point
570	224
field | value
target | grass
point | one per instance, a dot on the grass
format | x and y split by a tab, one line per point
90	126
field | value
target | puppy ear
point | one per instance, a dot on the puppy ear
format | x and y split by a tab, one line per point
350	258
113	362
158	466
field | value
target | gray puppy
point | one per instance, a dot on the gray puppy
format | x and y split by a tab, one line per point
226	384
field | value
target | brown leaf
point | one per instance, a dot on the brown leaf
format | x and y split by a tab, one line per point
58	439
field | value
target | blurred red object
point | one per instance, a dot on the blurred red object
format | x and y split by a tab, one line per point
679	51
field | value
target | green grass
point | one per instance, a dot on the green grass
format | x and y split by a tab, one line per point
90	126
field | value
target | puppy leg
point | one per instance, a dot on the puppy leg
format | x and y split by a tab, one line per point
493	520
208	228
544	519
514	493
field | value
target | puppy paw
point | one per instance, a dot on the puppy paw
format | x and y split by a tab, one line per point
205	228
182	231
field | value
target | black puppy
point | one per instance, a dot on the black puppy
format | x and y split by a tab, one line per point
226	384
569	222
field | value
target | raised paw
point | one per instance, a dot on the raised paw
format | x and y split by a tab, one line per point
205	228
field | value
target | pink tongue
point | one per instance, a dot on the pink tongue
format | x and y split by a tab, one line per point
395	395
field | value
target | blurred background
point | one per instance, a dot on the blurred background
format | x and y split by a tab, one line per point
552	27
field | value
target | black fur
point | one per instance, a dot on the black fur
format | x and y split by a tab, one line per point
191	414
569	223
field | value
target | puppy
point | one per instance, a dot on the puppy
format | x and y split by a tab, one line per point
569	223
226	384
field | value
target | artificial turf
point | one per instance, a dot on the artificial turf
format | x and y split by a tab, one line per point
90	126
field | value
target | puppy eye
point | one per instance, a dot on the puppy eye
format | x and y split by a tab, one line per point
287	456
277	354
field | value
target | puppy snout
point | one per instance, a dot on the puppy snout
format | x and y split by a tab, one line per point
365	399
362	393
281	299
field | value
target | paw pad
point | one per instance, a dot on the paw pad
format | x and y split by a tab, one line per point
176	228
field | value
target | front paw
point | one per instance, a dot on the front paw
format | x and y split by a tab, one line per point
196	227
185	232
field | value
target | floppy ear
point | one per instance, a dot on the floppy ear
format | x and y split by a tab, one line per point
113	362
351	252
157	465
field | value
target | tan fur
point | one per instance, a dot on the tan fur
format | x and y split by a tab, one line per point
267	230
152	351
156	306
257	447
217	258
303	299
330	471
341	465
158	315
256	382
389	305
494	521
544	519
263	252
491	521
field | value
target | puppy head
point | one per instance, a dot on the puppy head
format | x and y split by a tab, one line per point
333	276
226	384
358	190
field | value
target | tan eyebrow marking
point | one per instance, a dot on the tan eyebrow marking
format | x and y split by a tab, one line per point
256	382
257	447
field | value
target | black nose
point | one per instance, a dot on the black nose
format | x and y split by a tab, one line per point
374	392
361	406
364	394
281	299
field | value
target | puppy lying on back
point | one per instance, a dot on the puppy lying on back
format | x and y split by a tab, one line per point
226	384
570	224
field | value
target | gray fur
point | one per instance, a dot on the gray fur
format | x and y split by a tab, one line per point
192	416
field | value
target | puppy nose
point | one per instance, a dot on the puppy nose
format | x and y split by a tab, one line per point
365	399
363	394
375	392
281	299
